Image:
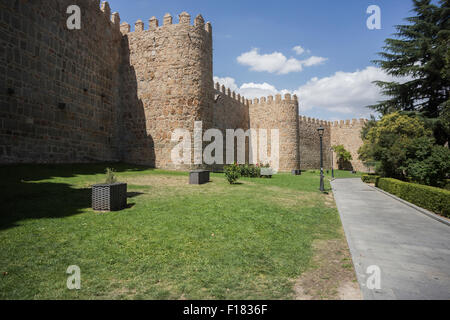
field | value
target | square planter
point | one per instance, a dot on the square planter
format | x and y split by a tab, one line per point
198	177
267	173
109	197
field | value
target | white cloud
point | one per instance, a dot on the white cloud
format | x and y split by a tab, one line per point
298	50
346	93
275	62
257	90
312	61
250	90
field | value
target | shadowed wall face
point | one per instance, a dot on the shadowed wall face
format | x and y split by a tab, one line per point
310	144
230	111
58	87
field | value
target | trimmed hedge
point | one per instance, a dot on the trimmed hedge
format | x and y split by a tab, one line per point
367	178
431	198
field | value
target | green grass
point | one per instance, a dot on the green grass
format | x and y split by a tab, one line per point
216	241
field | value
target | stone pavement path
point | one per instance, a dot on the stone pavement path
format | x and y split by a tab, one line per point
411	249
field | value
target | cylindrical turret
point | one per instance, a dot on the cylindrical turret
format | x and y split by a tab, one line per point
172	66
281	114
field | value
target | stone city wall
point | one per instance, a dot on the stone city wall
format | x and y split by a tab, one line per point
348	133
230	111
310	143
59	92
106	93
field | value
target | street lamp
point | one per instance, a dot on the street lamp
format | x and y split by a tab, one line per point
321	130
332	163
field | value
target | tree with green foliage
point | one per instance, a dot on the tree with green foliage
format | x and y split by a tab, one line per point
420	53
406	149
343	156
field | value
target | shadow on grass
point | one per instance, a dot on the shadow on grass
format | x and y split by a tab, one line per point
134	194
24	197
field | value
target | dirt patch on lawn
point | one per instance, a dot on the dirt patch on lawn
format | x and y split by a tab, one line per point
289	198
329	200
332	276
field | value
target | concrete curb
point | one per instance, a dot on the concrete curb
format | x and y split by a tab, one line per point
409	204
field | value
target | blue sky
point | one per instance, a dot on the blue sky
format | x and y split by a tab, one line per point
337	82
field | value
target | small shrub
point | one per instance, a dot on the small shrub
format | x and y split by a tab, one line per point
249	170
431	198
110	176
447	184
369	178
232	173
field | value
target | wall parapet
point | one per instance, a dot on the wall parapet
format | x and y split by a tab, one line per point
339	123
184	19
231	94
105	9
350	123
314	120
277	98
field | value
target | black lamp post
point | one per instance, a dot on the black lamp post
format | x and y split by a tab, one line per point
321	131
332	164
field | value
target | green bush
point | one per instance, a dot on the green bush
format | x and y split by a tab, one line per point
369	178
249	171
447	184
431	198
232	173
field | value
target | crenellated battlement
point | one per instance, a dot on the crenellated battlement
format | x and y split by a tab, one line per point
350	123
304	119
184	19
276	99
231	94
105	9
340	123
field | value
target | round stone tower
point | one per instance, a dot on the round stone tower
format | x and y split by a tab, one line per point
269	113
171	67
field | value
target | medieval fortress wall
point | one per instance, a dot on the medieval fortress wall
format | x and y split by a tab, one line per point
282	114
59	92
348	133
104	93
310	143
170	74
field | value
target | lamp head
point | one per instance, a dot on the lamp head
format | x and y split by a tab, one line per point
321	130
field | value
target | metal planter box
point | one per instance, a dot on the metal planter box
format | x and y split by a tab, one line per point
109	197
198	177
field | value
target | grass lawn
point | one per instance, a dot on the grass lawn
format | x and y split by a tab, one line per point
254	240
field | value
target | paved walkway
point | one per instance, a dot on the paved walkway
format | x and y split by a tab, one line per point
411	249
